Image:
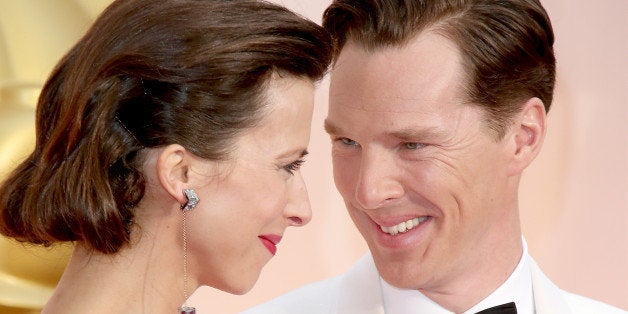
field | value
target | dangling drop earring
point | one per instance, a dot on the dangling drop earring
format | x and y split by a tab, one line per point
189	205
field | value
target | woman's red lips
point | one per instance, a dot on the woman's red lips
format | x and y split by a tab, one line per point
270	241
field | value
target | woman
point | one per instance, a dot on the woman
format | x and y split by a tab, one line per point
168	147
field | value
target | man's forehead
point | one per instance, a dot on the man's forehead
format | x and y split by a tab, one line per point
382	104
427	70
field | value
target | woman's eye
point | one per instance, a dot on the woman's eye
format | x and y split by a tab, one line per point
412	145
294	166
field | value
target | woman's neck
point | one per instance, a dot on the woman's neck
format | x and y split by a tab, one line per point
143	277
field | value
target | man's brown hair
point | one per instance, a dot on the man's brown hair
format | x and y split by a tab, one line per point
506	45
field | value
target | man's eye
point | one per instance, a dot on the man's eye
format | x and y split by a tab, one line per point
348	142
294	166
412	145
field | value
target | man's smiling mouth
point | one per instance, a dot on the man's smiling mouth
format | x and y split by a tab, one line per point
404	226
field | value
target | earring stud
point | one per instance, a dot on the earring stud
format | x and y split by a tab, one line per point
192	197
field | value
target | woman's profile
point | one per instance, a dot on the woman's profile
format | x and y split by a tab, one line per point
168	147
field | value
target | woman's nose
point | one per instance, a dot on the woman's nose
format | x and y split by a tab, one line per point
298	211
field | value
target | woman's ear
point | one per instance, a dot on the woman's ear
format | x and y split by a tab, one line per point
172	170
527	135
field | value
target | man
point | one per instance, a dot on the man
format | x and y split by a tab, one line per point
436	108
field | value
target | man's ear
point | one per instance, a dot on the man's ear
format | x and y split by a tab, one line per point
172	170
527	135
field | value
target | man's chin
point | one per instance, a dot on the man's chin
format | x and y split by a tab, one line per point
400	275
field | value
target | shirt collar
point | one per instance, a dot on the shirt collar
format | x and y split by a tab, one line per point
517	288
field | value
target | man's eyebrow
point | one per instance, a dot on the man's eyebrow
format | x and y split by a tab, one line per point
331	128
413	134
406	134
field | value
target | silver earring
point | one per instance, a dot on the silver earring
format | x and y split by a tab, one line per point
192	197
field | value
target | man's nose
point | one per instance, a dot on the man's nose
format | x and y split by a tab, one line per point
377	182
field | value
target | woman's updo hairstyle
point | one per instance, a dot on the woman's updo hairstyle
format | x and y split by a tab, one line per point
148	73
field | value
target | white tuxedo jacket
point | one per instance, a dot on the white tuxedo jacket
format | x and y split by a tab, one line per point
358	291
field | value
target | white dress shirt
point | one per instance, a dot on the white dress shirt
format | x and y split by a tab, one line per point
517	288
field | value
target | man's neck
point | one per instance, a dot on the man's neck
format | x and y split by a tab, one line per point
494	261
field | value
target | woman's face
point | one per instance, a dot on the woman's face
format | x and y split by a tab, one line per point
248	204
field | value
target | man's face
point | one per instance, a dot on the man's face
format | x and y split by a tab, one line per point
409	153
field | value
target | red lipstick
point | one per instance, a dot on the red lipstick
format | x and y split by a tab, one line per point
270	241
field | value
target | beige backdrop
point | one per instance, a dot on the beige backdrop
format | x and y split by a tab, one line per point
574	198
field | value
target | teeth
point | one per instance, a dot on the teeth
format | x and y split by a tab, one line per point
404	226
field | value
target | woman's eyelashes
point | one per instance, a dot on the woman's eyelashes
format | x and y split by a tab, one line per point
294	166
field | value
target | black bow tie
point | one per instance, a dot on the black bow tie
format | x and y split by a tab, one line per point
507	308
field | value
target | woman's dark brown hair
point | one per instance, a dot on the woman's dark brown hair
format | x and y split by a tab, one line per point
506	45
148	73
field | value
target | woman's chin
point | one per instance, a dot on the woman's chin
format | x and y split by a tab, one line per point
237	287
239	290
